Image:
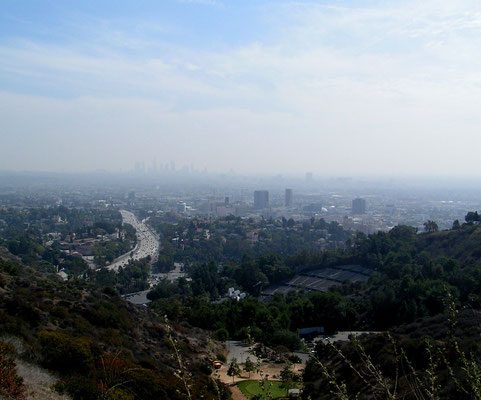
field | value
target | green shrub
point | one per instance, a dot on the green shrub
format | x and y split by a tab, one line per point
18	306
110	291
104	314
11	385
79	389
64	353
9	267
221	334
148	385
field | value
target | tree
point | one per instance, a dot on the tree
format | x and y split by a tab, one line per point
221	334
287	378
286	338
250	277
247	332
249	366
234	369
295	359
430	226
456	225
472	217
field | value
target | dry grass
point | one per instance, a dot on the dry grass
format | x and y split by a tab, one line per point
38	382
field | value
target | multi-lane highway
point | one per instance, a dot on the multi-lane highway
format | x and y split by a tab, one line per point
147	242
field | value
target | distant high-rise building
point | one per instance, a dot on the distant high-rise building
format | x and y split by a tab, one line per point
226	200
308	176
261	199
359	206
240	210
181	207
288	198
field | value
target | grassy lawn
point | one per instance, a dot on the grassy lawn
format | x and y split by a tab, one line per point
251	388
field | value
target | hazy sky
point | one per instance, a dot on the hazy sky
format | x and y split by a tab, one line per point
333	87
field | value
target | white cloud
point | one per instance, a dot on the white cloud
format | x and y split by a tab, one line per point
342	90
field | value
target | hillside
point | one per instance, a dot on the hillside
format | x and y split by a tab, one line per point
425	293
99	345
413	273
462	244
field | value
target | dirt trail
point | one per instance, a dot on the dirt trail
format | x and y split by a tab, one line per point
38	382
236	393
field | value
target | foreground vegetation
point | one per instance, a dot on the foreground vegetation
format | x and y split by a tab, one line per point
436	358
100	346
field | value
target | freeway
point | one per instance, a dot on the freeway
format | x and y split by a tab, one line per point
147	242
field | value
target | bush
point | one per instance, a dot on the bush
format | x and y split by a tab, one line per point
64	353
17	306
9	267
11	385
104	314
79	389
110	291
221	334
148	385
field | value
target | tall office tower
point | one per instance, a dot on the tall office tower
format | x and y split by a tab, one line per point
288	198
261	199
359	206
181	207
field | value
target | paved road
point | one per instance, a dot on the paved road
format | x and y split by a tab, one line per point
173	275
138	297
239	351
344	335
147	242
